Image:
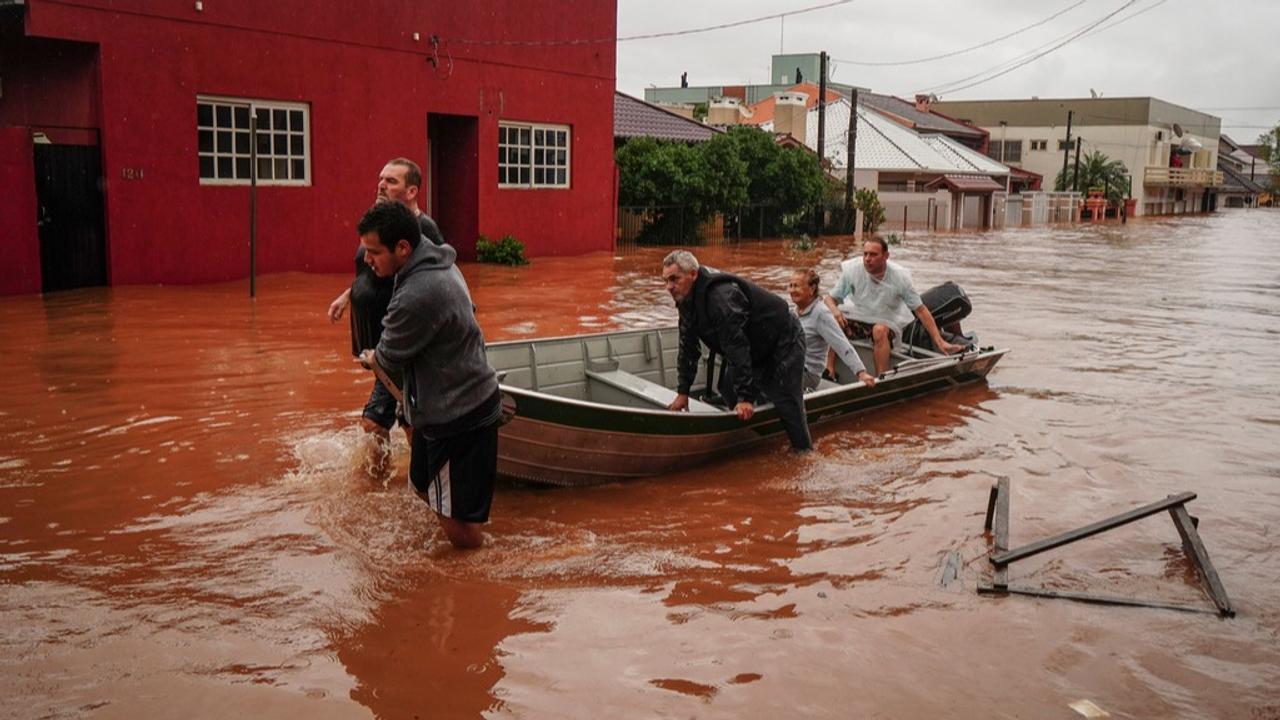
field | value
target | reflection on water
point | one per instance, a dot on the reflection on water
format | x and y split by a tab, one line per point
190	518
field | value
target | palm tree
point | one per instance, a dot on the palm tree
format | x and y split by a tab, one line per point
1097	172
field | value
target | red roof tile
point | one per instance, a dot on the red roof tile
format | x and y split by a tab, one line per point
967	183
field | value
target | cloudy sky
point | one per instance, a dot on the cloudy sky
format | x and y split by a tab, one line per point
1217	57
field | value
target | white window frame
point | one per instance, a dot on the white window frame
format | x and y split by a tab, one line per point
520	157
1039	145
239	152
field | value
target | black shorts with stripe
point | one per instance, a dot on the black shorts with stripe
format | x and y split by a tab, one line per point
455	474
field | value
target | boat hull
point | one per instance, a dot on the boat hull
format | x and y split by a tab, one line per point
567	441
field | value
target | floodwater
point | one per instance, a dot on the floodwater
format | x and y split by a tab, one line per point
189	526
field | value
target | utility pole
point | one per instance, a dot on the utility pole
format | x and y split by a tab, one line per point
1066	150
848	175
822	128
1075	175
253	204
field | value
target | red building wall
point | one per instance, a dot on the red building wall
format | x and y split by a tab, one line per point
19	245
370	87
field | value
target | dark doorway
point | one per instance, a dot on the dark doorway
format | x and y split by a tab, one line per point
73	247
455	179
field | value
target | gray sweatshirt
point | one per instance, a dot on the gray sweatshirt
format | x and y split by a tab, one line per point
430	332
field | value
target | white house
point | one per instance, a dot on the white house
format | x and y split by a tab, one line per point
1170	151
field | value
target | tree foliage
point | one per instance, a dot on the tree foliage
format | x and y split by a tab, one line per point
1097	172
1269	149
868	202
742	167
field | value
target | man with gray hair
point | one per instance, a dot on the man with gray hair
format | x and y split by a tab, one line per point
761	341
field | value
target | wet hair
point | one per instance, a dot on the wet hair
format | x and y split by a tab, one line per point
810	278
884	246
682	259
412	173
393	222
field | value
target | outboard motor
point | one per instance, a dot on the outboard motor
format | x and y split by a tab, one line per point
949	305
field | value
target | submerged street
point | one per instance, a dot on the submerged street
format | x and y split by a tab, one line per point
188	524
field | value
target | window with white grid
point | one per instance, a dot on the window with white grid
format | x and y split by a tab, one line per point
533	156
225	141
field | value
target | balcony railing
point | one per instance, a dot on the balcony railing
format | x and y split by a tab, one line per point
1182	177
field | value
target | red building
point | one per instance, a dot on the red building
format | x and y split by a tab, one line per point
126	147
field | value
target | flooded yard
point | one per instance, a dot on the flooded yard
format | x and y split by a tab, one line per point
189	527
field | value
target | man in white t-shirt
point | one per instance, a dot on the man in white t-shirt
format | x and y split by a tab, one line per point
883	302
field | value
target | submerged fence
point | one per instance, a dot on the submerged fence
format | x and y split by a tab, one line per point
681	225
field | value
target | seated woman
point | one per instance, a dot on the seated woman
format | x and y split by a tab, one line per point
821	333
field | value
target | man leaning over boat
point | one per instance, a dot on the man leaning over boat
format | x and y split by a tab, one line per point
755	332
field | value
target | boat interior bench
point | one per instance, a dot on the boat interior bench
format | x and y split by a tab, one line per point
651	392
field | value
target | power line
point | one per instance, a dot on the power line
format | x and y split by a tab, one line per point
1029	57
652	36
954	53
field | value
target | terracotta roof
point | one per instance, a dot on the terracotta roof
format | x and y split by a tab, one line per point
967	183
762	112
1021	174
633	117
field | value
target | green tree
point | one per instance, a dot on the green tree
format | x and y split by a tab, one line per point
788	181
683	185
1097	172
1269	150
868	201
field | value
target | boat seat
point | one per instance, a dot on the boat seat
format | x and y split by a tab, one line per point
652	392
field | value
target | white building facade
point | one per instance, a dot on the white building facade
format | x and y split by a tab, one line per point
1169	151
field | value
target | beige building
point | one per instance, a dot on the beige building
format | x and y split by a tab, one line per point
1170	151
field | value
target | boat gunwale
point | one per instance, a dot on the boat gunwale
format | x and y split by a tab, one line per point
941	362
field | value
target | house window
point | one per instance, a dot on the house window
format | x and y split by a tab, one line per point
1005	151
532	156
1064	145
225	139
1039	145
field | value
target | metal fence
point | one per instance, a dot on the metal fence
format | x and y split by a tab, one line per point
680	225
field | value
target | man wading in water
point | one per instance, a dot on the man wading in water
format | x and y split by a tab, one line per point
451	395
369	295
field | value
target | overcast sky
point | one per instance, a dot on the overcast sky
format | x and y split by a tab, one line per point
1208	56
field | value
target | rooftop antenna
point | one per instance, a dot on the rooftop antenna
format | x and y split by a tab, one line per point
782	33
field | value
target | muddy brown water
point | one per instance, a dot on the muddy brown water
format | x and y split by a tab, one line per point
188	527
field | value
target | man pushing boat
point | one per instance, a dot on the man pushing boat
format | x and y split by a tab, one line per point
451	394
760	339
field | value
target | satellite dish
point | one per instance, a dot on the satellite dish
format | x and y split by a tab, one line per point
1177	129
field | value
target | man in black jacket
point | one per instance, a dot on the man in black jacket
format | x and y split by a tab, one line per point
761	342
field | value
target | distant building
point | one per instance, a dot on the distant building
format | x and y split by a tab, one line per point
1242	184
783	76
1170	151
126	151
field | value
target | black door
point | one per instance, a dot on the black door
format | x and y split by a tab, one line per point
73	247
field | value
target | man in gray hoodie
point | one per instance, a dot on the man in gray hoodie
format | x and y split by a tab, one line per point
451	394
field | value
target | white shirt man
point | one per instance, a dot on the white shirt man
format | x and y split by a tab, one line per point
884	301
